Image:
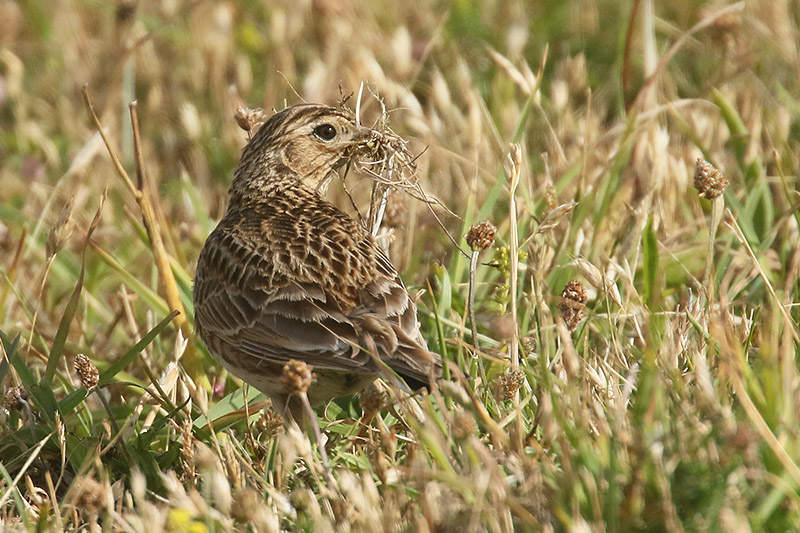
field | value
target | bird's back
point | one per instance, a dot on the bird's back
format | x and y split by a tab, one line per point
287	275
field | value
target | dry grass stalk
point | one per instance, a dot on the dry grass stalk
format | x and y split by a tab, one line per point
710	183
512	168
730	220
385	158
441	471
479	237
143	194
679	43
34	453
56	240
297	377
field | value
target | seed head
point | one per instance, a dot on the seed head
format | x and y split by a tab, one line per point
508	384
481	236
724	27
297	377
528	343
86	370
512	165
126	9
708	180
270	422
247	502
91	495
463	424
61	231
371	400
247	118
15	398
187	450
573	302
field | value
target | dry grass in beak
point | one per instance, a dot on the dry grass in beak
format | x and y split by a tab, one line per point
385	158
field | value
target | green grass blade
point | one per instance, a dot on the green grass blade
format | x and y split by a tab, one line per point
10	350
107	375
147	294
650	266
63	331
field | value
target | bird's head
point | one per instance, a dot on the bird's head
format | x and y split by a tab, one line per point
310	140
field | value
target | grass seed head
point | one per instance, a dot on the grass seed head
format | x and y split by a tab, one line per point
463	424
481	236
91	495
270	422
15	398
372	400
708	180
528	343
86	370
573	302
246	503
297	377
509	383
126	10
248	118
724	26
61	231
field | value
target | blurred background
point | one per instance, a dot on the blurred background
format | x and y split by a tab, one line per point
611	101
460	79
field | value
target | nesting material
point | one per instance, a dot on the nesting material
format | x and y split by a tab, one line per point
385	158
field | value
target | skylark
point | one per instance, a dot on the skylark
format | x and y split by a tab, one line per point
287	275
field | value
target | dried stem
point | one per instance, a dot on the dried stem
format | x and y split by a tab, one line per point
730	220
473	266
142	193
477	359
513	164
717	207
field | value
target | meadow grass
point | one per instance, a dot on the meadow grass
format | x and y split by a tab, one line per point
660	393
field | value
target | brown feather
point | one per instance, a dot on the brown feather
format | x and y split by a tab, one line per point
287	275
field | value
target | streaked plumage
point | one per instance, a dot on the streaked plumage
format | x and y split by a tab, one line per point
287	275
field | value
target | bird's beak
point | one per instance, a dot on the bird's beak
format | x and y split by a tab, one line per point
364	135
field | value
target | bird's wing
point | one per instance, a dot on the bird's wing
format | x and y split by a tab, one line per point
387	324
247	310
350	312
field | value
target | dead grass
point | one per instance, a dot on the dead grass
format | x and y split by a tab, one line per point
670	405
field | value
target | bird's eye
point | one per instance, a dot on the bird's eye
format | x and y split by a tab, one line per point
326	132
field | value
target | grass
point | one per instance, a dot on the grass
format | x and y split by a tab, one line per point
671	406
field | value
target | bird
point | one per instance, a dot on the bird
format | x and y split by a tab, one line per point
288	276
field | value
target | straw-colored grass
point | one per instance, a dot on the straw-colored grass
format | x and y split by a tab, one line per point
665	399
